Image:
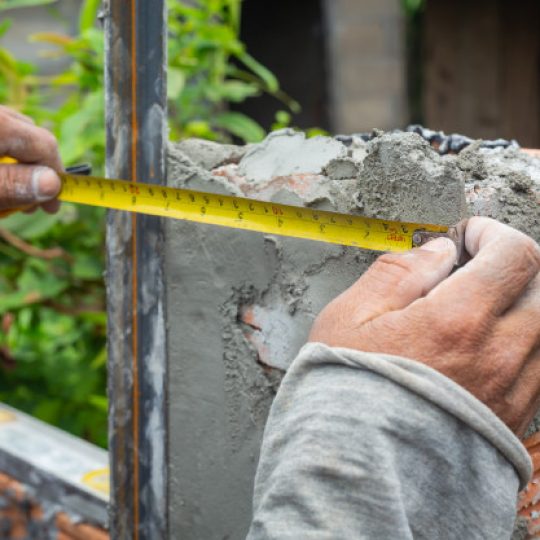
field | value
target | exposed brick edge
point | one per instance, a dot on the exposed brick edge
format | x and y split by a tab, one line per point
19	510
529	498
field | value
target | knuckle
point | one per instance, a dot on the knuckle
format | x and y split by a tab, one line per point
531	250
48	140
393	266
7	123
15	185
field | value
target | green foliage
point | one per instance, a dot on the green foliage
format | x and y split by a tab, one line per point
283	120
52	345
209	67
52	348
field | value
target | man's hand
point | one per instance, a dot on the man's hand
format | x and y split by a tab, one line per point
479	326
34	182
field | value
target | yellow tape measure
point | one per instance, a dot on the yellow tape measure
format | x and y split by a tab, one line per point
247	214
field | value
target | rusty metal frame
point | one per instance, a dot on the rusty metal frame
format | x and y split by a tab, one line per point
136	145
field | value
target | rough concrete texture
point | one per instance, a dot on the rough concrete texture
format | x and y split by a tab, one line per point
240	304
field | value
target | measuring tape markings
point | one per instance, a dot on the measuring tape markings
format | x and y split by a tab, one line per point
242	213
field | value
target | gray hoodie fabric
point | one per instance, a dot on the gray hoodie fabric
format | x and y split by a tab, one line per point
367	446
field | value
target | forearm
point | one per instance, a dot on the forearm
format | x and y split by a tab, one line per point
365	446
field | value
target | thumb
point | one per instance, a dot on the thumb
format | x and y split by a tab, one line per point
25	185
396	280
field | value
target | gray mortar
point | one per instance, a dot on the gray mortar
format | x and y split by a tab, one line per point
209	155
288	152
224	367
402	178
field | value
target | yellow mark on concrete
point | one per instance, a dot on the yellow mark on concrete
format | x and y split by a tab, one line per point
99	480
7	416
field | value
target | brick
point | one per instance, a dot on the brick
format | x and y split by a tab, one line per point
21	510
79	531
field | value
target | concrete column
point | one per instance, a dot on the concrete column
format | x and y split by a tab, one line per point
367	62
240	304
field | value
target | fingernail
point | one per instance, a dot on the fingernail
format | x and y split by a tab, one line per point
45	184
439	244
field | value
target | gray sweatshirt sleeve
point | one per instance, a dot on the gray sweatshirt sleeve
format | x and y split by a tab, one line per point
362	445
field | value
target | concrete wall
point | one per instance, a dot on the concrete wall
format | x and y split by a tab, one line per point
240	304
367	63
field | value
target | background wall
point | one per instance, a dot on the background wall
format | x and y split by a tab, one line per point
482	68
367	83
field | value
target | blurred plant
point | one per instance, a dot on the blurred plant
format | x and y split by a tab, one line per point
209	67
412	6
52	348
52	345
283	120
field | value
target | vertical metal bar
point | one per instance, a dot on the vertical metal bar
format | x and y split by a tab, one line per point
136	143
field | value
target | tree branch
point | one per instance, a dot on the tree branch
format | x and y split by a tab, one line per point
29	249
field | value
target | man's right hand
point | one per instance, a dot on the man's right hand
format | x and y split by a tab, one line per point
34	180
479	326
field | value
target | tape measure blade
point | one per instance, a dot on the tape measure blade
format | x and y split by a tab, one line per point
242	213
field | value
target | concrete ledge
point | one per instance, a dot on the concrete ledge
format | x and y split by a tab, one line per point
52	485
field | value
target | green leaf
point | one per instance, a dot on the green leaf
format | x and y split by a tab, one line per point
240	125
176	81
5	26
100	360
40	285
14	4
316	132
99	402
264	73
86	266
16	300
52	38
78	132
88	15
48	410
30	226
237	91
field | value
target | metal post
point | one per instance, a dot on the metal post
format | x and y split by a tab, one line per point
136	142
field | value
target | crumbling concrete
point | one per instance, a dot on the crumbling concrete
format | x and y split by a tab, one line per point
240	304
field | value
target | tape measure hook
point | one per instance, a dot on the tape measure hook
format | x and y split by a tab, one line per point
456	233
